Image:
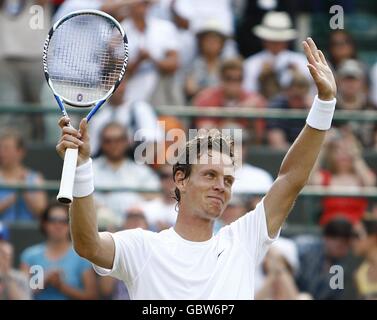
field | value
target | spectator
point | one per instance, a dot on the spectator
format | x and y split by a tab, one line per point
113	169
343	167
342	47
134	116
281	133
276	31
14	285
230	94
111	288
161	212
153	60
352	86
280	266
66	275
373	90
252	181
22	36
191	15
27	205
117	9
318	254
353	95
236	209
365	245
205	69
195	12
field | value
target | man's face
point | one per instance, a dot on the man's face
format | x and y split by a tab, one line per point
232	83
211	44
275	46
297	97
114	143
361	242
57	224
350	86
139	9
337	247
207	190
10	153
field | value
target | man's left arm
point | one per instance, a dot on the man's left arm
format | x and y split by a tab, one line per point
301	157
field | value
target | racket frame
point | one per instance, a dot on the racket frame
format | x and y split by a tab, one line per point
71	155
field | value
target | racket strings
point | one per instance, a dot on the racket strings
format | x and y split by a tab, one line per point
85	58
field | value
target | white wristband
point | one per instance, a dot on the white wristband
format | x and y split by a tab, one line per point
83	185
321	114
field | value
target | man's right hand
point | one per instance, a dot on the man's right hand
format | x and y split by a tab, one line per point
74	139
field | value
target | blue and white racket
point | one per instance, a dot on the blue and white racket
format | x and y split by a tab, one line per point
85	58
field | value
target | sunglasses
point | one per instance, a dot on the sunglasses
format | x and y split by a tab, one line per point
58	220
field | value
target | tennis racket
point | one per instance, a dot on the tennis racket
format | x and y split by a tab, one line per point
85	58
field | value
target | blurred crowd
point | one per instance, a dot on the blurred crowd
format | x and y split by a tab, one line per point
213	53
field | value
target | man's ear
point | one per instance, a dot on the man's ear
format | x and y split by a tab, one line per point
180	181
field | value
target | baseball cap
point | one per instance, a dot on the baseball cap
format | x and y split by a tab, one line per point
4	232
351	68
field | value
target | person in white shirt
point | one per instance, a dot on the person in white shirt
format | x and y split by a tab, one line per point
275	31
113	169
187	261
153	51
161	212
134	116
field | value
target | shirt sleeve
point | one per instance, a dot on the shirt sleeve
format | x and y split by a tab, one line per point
251	230
26	257
130	256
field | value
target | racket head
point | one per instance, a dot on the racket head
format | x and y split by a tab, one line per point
85	57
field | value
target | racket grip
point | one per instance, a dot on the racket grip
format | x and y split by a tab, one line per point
68	176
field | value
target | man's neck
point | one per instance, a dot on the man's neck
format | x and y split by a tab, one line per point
192	227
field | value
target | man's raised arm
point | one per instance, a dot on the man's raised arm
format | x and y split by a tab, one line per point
96	247
301	157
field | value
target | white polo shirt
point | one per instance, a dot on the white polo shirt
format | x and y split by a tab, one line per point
166	266
159	37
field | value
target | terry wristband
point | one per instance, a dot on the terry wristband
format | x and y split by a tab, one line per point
321	114
83	184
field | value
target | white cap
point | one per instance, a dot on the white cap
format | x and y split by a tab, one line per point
212	25
288	250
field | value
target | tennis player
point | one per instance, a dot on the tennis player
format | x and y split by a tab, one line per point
188	261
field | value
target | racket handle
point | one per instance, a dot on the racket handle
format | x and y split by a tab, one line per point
68	176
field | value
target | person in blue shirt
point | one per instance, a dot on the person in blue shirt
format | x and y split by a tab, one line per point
25	206
66	275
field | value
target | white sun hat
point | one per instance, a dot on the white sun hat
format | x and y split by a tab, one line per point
276	26
212	25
